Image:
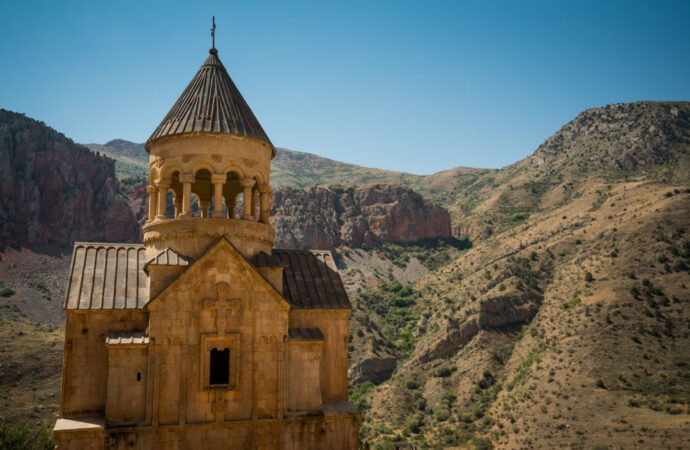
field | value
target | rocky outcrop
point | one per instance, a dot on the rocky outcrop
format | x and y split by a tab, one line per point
624	136
495	312
374	369
53	191
326	218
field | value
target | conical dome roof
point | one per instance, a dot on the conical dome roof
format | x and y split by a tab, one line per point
211	103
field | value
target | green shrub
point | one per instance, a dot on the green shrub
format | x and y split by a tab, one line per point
443	371
358	394
25	436
518	217
573	302
482	444
412	384
5	291
441	413
413	424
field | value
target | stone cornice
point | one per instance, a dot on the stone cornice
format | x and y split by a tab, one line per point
212	228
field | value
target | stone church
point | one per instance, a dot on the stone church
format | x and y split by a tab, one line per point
205	336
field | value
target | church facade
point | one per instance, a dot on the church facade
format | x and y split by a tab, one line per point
205	336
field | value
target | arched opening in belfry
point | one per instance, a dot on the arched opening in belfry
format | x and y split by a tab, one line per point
169	203
231	190
174	207
203	189
194	206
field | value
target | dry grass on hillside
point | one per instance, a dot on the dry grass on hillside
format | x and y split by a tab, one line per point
31	367
603	362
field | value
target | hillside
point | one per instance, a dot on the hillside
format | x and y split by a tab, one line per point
564	323
53	191
630	141
567	323
131	159
329	218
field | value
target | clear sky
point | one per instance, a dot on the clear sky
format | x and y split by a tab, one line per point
417	86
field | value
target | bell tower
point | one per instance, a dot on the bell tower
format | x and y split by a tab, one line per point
209	152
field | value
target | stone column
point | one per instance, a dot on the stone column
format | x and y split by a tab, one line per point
205	205
177	202
247	185
162	200
153	202
186	179
232	204
256	197
264	209
218	182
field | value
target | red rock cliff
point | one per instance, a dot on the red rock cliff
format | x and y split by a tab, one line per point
53	191
326	218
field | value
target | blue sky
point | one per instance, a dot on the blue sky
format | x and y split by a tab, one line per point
415	86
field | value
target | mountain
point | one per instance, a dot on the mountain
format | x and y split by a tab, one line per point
354	217
644	140
131	159
53	191
566	323
563	324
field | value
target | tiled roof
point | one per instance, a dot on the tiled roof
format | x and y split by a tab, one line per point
305	334
310	279
211	103
127	338
107	276
167	257
112	276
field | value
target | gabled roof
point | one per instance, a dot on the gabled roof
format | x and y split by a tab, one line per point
211	103
167	257
112	276
107	276
310	278
220	244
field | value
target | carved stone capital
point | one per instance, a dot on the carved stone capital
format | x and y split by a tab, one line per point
218	178
187	178
247	182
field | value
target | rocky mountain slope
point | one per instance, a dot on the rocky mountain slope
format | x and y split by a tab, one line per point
53	191
633	141
567	324
564	324
327	218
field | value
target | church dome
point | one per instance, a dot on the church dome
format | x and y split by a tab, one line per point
211	103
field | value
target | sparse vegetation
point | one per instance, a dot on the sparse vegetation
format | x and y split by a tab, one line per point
25	436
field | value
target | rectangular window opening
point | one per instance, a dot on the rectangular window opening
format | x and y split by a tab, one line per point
220	366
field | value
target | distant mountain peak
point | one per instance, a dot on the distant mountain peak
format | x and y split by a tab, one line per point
623	136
